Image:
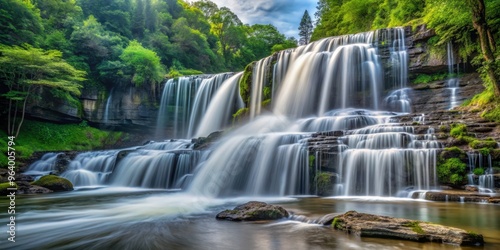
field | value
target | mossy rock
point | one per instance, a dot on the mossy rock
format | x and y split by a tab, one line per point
54	183
4	186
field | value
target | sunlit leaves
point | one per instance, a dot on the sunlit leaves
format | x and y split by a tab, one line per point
145	64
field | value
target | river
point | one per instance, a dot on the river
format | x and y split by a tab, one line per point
126	218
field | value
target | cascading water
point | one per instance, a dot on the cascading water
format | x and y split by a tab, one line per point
452	83
330	74
164	165
175	106
334	84
219	112
109	101
485	181
204	96
185	101
260	78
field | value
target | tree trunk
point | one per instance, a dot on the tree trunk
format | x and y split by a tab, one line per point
23	112
486	40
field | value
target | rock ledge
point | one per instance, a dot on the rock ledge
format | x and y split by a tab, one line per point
369	225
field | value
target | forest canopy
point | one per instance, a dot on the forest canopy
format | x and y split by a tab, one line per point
106	38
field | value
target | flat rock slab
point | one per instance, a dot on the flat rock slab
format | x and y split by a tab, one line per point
369	225
253	211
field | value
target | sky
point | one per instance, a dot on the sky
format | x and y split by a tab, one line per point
283	14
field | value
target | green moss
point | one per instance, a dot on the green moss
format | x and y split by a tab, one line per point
478	171
415	226
246	83
337	223
190	72
453	152
482	144
458	130
240	114
54	183
484	151
451	171
312	159
323	183
266	103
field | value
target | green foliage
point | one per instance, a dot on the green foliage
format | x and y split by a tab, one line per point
478	171
20	22
424	78
44	136
305	29
240	114
483	144
145	64
451	171
246	83
458	130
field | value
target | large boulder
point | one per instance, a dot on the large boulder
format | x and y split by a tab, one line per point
253	211
369	225
54	183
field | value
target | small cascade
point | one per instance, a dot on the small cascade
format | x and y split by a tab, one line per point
165	165
175	106
219	112
91	168
486	180
44	166
398	99
109	101
251	161
452	83
204	96
372	162
186	100
260	79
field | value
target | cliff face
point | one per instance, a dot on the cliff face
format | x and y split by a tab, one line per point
128	108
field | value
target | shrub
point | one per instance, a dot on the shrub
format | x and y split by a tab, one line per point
451	171
478	171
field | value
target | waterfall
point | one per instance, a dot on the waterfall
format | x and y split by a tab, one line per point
109	101
175	106
252	161
166	165
44	166
185	101
336	86
452	83
204	96
486	181
259	80
225	103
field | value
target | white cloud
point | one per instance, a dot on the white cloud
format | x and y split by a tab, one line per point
284	14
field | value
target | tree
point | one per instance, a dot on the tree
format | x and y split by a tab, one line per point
24	70
487	42
225	26
305	29
20	22
139	20
144	65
